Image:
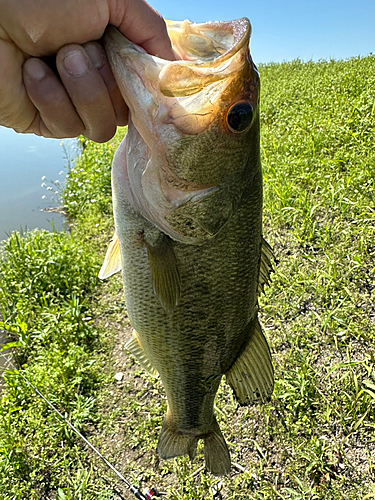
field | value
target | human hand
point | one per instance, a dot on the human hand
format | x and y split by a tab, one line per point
84	99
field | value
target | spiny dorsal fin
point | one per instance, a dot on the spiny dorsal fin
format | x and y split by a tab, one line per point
164	272
135	347
251	375
265	269
112	262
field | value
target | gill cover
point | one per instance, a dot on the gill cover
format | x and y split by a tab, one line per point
190	128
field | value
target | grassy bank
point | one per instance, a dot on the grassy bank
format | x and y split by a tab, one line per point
316	438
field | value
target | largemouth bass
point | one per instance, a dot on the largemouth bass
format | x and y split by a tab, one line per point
187	198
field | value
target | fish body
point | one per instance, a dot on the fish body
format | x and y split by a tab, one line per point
187	194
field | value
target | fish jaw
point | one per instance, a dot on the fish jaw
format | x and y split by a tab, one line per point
169	102
136	72
145	80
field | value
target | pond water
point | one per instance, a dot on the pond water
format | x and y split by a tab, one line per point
27	165
24	160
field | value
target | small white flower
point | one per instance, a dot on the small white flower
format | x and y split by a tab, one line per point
62	172
49	188
44	197
43	177
93	201
56	192
57	181
43	184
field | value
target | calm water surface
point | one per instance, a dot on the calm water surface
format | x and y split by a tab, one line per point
24	160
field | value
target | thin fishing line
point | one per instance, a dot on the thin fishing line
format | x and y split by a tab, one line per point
136	492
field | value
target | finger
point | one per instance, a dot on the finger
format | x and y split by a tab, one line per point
143	25
87	91
42	27
56	116
99	58
16	109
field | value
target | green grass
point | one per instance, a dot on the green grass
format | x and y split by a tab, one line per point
316	438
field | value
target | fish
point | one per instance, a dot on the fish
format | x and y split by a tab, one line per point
187	203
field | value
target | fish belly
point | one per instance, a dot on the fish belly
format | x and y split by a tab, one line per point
198	342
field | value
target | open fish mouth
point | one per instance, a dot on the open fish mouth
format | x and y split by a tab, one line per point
170	101
210	52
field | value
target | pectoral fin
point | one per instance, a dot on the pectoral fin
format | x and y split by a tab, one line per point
251	375
112	262
134	346
164	271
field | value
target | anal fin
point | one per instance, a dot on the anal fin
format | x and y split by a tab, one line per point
112	262
251	375
134	346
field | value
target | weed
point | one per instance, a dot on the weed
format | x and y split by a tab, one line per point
315	439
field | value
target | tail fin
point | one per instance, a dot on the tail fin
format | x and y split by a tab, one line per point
216	452
174	444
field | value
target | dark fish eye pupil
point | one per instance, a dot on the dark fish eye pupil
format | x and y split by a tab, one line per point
240	116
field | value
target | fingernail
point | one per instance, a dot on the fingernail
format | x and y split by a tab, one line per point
35	69
76	63
96	54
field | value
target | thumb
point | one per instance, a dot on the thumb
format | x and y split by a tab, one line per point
143	25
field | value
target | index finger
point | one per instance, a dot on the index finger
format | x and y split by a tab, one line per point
143	25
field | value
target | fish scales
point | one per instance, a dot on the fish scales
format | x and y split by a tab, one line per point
191	254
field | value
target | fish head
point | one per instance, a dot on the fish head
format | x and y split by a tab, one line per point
193	135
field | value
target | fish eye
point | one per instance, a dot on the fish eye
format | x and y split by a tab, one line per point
240	116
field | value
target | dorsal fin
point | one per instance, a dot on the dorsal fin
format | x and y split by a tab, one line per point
265	269
112	262
251	375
